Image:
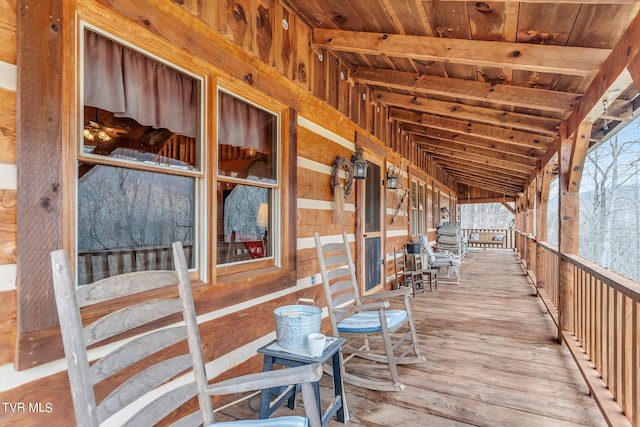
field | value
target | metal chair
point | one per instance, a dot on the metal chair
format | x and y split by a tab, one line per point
151	331
366	320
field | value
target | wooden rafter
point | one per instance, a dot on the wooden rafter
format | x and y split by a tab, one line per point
474	141
477	151
482	172
503	94
578	61
490	116
471	128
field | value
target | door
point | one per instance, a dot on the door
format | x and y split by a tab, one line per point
371	217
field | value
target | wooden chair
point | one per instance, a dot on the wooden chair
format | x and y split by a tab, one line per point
408	271
421	273
374	332
150	332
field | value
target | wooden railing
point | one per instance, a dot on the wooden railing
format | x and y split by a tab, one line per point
507	243
97	265
605	341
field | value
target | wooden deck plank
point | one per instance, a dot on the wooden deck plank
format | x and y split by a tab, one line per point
492	359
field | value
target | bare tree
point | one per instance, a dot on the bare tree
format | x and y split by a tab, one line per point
608	207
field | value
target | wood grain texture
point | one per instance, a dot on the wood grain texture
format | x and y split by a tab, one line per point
8	244
7	326
7	126
39	125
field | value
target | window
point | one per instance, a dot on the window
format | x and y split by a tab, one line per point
140	161
414	208
248	184
422	212
436	208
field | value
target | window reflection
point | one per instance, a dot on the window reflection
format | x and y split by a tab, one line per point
247	180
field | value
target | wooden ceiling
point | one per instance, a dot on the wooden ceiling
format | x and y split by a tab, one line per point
480	87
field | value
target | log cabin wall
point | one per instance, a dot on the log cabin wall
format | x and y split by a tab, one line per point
244	42
8	180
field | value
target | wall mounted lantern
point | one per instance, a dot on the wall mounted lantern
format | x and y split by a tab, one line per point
359	164
392	178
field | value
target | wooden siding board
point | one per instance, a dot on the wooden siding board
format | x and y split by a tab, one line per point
7	326
8	31
7	126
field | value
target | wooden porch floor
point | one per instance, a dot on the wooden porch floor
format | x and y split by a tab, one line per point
492	359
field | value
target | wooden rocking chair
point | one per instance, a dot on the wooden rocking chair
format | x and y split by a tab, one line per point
176	371
366	320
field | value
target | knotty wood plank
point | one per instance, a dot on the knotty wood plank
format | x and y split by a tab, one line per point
471	128
532	57
524	122
504	94
7	326
7	126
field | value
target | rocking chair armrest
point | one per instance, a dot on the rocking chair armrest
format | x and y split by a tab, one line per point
269	379
387	294
380	305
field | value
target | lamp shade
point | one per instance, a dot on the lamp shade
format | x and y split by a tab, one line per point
262	220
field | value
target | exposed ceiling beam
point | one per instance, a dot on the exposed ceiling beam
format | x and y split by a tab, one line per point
472	129
475	180
488	186
612	73
474	141
500	175
482	175
579	61
486	162
478	151
468	112
503	94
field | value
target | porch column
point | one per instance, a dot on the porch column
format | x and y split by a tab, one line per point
543	179
530	196
571	152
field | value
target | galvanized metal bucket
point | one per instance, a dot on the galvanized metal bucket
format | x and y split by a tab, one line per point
295	322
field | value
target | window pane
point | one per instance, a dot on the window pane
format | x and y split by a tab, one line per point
372	198
138	109
422	213
244	223
414	208
128	219
247	140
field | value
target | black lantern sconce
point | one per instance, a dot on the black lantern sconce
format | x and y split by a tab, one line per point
392	178
359	164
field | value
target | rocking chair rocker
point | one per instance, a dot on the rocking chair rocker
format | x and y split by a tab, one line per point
366	320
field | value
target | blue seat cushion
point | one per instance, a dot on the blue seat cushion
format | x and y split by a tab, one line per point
270	422
369	321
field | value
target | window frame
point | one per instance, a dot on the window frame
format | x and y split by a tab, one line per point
282	233
198	272
274	259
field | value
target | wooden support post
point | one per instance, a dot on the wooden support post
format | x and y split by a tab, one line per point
529	208
543	180
568	231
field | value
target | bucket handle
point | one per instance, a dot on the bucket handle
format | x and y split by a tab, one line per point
306	300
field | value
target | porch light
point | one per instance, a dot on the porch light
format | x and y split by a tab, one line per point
359	165
392	178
